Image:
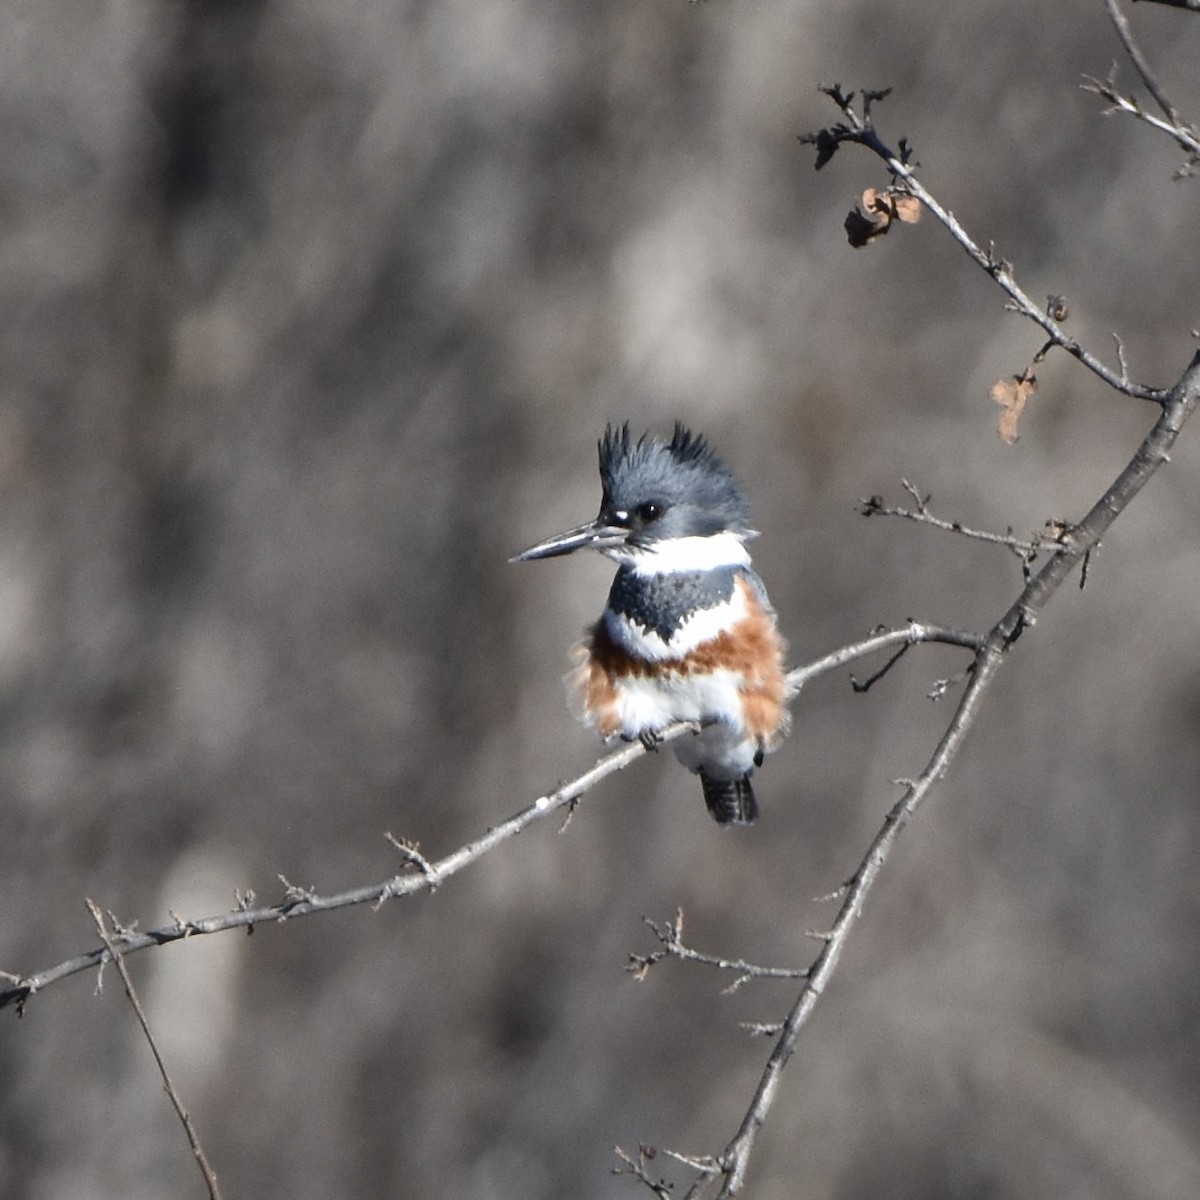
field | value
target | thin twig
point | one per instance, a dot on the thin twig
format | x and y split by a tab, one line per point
1174	126
1121	25
707	1168
886	639
670	935
210	1177
865	685
637	1168
876	506
1183	135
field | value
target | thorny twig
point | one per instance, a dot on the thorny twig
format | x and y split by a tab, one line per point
859	129
1183	135
706	1168
876	506
1121	25
114	954
670	935
1028	550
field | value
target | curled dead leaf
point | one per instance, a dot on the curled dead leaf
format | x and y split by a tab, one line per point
875	213
861	228
1011	395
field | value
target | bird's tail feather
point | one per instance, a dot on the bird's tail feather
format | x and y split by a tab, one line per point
731	801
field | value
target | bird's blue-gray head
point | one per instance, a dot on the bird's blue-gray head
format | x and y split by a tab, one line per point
659	490
674	504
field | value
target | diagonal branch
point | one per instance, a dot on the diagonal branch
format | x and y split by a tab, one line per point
426	874
1121	25
861	130
299	902
1073	549
108	938
1183	135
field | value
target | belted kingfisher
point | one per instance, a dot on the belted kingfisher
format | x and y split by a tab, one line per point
688	633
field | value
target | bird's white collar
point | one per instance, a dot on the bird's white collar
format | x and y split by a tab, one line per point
674	555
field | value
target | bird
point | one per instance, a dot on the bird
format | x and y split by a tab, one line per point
687	633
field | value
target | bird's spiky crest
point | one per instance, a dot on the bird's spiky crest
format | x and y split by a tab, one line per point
619	451
616	447
688	447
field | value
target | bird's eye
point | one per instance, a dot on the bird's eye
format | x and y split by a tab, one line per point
650	511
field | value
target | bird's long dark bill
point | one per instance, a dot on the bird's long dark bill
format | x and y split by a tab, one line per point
595	535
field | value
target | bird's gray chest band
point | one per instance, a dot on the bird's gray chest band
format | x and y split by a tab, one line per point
661	603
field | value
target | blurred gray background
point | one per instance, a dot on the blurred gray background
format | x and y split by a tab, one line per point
312	315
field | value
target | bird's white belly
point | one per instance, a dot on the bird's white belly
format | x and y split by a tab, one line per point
722	748
654	703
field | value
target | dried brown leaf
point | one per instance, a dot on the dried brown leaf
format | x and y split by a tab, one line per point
876	212
861	228
1011	395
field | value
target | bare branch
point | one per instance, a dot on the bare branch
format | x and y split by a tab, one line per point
1183	135
1121	25
886	639
861	130
427	874
1174	126
300	902
876	506
210	1177
670	935
637	1168
1190	5
865	685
